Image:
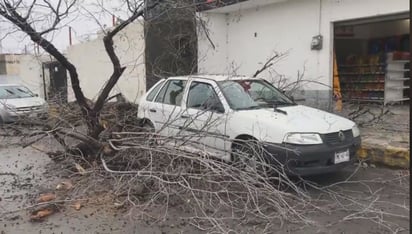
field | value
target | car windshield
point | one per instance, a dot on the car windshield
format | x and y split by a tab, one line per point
236	96
12	92
253	94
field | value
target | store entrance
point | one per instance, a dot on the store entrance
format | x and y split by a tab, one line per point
372	58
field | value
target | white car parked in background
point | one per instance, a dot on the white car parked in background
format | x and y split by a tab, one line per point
18	101
218	113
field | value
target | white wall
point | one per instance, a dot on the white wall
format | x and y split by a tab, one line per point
94	66
31	73
26	69
288	25
212	45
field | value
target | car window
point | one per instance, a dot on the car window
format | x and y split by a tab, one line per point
154	91
202	96
236	96
11	92
264	93
172	92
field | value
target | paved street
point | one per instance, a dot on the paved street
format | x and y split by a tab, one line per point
25	173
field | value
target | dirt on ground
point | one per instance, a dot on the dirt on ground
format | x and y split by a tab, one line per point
27	173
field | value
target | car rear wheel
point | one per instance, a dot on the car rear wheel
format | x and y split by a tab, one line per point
149	130
249	156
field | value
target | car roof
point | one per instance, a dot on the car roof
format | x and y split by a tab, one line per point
213	77
11	85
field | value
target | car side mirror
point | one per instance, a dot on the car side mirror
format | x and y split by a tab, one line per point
218	108
215	105
289	96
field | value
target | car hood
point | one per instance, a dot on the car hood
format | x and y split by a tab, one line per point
267	123
23	102
307	119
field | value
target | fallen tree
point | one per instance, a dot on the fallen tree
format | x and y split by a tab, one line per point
100	140
25	16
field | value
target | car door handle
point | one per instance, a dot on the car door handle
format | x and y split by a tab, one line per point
152	110
184	116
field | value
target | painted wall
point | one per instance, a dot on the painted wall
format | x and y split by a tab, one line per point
212	43
253	35
94	66
25	69
10	64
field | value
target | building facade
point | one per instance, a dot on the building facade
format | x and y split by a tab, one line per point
95	68
25	69
241	35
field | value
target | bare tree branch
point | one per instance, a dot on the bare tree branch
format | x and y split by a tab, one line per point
117	68
9	12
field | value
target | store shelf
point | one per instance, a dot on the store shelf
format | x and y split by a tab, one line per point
403	87
398	61
363	65
364	90
398	70
363	81
403	99
361	74
363	99
397	79
399	100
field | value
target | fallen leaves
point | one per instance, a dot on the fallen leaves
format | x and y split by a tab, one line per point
80	169
64	185
46	197
77	205
42	212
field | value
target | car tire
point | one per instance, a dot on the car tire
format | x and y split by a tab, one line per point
249	156
148	128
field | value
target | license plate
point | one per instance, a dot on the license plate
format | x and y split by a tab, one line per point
342	156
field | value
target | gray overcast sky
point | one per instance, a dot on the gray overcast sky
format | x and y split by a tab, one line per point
84	26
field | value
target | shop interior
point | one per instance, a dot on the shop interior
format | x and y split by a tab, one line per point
372	61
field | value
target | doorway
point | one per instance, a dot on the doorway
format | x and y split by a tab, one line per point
372	57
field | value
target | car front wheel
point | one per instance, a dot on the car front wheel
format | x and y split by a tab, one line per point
149	130
249	156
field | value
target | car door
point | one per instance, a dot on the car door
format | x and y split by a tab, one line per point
166	109
205	117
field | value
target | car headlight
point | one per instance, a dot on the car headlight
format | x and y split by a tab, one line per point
303	138
355	131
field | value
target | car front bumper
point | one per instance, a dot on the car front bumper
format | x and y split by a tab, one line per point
306	160
10	117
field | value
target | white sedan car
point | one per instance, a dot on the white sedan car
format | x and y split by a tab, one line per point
18	101
217	114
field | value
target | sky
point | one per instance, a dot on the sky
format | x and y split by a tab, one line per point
83	21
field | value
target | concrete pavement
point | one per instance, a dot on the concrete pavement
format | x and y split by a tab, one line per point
385	133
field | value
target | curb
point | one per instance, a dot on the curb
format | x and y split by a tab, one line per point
390	156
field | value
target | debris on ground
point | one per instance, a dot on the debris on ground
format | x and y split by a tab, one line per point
64	185
46	197
39	214
77	205
80	169
119	205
